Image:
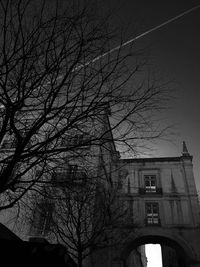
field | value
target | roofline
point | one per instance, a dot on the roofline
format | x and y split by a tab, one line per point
161	159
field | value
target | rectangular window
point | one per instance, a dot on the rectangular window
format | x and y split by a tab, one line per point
76	174
42	218
72	174
75	140
150	183
152	213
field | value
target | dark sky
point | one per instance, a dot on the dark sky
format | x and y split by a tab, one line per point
175	54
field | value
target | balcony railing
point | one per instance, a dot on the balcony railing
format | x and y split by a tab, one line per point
78	140
68	178
152	222
157	190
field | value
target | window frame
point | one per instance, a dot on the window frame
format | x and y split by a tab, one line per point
70	175
42	218
149	178
75	140
152	218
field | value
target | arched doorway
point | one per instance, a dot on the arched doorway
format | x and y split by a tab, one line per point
154	255
183	252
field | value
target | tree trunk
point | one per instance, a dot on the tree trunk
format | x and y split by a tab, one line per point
80	259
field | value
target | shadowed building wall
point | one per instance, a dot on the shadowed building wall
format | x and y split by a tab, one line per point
162	203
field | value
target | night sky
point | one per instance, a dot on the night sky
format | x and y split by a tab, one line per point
175	55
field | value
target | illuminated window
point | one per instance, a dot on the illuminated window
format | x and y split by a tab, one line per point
152	213
150	183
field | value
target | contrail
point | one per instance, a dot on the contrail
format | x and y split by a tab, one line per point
143	34
133	39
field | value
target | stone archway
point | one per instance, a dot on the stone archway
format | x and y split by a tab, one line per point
185	254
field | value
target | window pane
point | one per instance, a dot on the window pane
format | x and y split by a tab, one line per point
152	215
150	183
147	182
155	207
148	209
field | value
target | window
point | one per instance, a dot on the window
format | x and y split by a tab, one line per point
120	183
72	174
152	213
150	183
76	174
75	140
42	218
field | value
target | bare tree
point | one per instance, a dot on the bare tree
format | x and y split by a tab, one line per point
56	91
84	217
83	209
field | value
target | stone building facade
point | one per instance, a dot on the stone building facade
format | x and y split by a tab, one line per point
162	203
160	199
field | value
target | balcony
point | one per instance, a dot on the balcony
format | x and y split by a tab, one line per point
152	222
145	190
61	179
76	141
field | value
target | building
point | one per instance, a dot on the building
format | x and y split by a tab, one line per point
71	177
162	204
137	257
158	195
